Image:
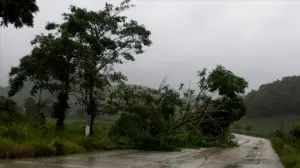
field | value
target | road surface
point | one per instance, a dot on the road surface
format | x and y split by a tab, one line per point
252	153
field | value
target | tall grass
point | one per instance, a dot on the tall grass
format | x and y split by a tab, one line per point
24	137
289	155
287	146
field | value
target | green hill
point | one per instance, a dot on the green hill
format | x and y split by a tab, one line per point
273	103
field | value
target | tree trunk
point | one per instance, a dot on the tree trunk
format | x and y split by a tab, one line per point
92	124
41	115
91	108
39	102
60	123
60	110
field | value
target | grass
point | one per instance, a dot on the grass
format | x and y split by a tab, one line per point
267	125
288	154
25	138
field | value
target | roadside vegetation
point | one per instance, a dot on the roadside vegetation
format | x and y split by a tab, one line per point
75	59
274	106
23	137
148	119
287	146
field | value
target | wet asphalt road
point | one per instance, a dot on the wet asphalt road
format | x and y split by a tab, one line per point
252	153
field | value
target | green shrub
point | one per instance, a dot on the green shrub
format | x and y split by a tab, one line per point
43	148
291	161
6	147
63	146
295	131
287	150
277	144
25	149
98	143
16	133
297	165
8	106
3	130
7	118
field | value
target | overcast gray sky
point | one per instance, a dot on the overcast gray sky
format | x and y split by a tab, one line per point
258	40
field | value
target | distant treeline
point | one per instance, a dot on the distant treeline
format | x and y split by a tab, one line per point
281	97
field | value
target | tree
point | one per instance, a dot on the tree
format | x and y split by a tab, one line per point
17	12
108	39
51	65
145	115
218	102
7	105
148	116
61	56
33	69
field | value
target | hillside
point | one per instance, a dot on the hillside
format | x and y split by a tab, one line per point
273	103
281	97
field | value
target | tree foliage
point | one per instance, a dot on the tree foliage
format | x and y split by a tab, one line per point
150	117
77	56
7	105
107	38
280	97
17	12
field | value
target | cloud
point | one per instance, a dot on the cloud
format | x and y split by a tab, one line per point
255	39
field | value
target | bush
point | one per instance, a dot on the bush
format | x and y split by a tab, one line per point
8	106
63	146
98	143
25	149
16	133
42	148
277	143
287	152
291	161
7	118
6	148
295	131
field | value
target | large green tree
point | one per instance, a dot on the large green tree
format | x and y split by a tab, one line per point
31	68
51	65
78	56
108	38
17	12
